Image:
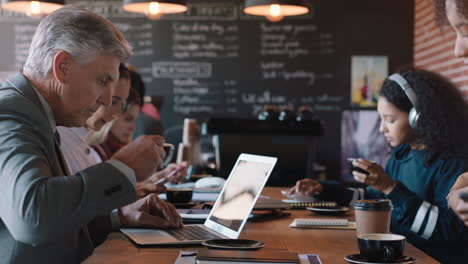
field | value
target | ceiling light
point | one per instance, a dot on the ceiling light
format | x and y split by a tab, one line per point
32	8
276	10
155	9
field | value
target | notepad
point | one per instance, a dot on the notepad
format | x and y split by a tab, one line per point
309	259
323	223
264	256
279	204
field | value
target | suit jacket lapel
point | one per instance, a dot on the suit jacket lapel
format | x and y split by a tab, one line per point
22	84
25	88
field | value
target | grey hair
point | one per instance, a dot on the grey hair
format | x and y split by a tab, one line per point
81	33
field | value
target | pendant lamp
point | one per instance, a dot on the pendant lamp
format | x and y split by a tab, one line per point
32	8
155	9
276	10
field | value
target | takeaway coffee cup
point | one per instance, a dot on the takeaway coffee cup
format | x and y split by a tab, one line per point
381	248
373	216
179	195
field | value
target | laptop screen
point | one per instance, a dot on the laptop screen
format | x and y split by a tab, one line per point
235	202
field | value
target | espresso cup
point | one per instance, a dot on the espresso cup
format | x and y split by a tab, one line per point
381	248
373	216
179	195
169	149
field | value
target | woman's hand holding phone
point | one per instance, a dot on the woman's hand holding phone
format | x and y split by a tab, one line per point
374	175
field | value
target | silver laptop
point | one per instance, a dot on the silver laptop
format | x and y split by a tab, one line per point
229	213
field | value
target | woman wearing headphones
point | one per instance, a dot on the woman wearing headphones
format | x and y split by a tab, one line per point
426	159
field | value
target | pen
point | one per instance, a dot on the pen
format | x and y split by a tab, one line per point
167	177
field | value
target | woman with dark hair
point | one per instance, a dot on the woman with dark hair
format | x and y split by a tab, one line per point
423	118
112	137
118	133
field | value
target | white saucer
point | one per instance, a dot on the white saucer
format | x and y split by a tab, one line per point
356	259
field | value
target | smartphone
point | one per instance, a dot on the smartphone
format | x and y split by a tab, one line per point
464	196
354	168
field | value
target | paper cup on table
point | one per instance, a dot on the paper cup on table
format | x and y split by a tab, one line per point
373	216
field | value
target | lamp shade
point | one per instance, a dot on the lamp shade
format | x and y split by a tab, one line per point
32	8
279	8
155	7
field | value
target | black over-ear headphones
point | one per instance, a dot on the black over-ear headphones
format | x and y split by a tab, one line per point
413	114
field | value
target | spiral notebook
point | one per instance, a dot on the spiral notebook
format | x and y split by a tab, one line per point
279	204
332	223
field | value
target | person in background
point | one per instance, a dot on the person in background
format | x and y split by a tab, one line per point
118	133
47	214
456	13
149	119
149	123
426	159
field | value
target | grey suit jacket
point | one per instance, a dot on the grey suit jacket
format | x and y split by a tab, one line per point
46	217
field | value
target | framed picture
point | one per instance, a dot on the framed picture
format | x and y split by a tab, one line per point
367	75
361	138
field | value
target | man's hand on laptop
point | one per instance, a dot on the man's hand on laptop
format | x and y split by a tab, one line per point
150	211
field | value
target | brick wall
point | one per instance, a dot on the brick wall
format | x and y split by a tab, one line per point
433	46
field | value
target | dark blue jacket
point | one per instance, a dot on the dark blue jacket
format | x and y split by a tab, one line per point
420	210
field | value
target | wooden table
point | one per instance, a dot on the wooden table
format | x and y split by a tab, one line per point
331	245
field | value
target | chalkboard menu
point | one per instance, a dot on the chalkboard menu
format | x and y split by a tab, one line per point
214	60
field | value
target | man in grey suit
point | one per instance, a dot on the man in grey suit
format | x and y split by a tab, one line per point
48	216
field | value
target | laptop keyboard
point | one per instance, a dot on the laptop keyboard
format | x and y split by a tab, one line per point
192	233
